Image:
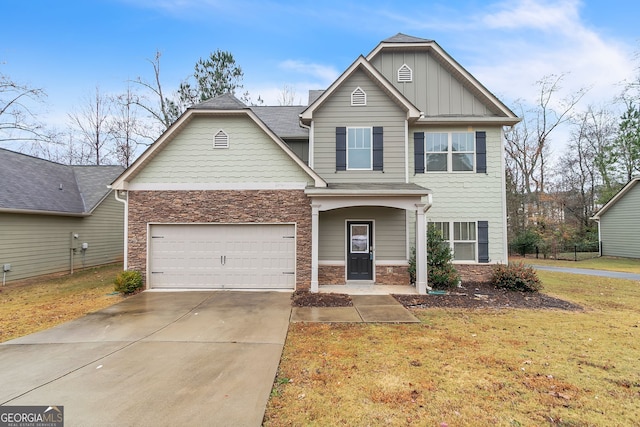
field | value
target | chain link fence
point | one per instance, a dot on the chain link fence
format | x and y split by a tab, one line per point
559	251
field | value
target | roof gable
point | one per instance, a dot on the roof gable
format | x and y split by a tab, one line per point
404	43
38	185
363	65
619	195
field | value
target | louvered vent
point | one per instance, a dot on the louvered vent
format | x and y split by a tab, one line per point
358	97
405	74
221	140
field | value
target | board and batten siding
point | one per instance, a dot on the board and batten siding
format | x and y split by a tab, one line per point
620	226
40	244
380	110
468	196
434	90
389	232
252	156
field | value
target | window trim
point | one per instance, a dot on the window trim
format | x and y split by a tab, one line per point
224	144
450	153
358	97
370	128
451	241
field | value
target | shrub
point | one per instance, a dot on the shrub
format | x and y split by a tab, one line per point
441	274
516	277
128	282
412	266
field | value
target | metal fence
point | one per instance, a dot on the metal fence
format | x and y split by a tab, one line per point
566	251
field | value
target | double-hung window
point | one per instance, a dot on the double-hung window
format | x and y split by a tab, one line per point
449	151
359	148
461	238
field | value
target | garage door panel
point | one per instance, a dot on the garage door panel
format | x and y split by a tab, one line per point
195	256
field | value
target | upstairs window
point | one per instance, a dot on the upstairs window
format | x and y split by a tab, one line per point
358	97
221	139
405	74
359	149
449	151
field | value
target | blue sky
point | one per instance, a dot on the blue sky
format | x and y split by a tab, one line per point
69	47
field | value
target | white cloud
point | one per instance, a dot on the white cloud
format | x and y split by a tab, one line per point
325	74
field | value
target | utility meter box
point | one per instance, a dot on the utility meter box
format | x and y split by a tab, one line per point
6	267
85	246
74	240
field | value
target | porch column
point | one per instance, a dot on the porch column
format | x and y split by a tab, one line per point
315	210
421	249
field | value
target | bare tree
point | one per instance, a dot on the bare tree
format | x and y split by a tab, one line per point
162	110
18	121
92	126
287	96
126	128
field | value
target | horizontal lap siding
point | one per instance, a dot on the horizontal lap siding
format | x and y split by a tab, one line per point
40	244
469	196
251	157
379	111
620	226
389	231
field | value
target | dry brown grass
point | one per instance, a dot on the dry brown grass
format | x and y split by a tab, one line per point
42	303
471	367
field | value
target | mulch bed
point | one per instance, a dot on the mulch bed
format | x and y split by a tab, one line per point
470	295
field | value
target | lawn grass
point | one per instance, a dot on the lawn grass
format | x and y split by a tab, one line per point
43	303
471	367
627	265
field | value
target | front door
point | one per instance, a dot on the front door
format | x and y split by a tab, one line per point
359	250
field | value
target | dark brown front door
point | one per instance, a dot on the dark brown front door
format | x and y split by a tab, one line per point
359	250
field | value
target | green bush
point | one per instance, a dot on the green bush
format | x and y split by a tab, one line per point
441	274
128	282
412	266
516	277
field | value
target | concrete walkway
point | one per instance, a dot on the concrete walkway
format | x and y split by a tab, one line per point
589	272
155	359
366	308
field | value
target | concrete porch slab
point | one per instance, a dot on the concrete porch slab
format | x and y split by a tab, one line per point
325	314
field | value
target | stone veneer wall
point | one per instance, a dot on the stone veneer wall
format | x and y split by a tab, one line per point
475	272
223	206
385	275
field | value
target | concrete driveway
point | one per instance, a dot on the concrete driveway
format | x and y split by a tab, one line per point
158	358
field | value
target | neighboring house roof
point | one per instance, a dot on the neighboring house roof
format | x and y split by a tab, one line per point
362	64
34	185
284	121
226	104
620	194
402	41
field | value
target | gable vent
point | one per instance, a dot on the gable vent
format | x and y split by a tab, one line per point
358	97
405	74
221	140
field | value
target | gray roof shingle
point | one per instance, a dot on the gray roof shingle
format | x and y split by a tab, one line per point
29	183
403	38
225	101
284	121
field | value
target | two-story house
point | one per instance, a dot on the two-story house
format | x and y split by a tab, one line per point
336	191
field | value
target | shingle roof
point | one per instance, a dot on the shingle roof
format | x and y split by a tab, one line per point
33	184
225	101
284	121
403	38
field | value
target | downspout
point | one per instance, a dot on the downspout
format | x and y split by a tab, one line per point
406	151
126	224
310	129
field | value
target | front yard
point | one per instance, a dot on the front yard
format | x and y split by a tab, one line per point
458	367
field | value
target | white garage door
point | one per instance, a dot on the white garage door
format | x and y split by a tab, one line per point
222	256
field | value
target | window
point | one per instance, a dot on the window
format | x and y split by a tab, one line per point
221	139
464	239
405	74
453	151
359	149
358	97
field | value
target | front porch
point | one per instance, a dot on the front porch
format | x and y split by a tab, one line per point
354	288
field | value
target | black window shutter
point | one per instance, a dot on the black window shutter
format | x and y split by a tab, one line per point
483	241
377	149
481	152
341	148
418	151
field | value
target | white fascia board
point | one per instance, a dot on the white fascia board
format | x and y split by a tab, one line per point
213	186
459	120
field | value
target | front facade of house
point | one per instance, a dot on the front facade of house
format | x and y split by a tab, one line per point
334	192
618	223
